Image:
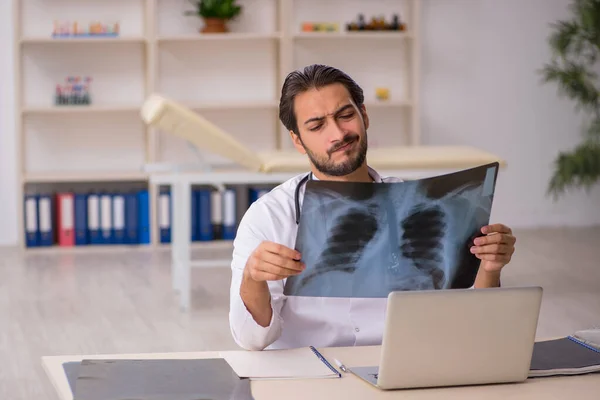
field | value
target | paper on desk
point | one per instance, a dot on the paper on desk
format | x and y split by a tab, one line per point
299	363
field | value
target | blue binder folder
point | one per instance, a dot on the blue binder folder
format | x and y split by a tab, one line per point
131	219
106	229
205	227
229	214
93	219
143	217
30	213
194	205
81	219
46	218
118	219
164	216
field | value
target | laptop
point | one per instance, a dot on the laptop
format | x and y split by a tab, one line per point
456	337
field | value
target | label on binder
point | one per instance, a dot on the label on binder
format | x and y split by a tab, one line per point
45	215
30	215
66	215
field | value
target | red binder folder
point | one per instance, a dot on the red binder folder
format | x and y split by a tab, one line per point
66	219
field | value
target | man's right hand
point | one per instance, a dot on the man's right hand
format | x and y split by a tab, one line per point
268	262
272	262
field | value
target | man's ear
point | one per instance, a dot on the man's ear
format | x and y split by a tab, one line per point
297	142
363	111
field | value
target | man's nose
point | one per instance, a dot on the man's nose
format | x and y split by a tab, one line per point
336	133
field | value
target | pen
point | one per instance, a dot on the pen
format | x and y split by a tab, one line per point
340	365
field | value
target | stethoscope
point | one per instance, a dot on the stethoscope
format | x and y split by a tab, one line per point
304	179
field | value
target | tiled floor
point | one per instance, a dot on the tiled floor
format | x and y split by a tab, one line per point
117	302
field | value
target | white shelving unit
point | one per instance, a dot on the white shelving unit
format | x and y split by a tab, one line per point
233	79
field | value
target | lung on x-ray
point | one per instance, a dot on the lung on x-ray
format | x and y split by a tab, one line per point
366	240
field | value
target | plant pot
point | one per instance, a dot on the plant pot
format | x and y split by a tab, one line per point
214	25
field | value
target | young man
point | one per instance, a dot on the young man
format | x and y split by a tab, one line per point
323	109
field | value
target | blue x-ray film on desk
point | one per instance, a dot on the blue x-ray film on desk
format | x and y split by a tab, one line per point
365	240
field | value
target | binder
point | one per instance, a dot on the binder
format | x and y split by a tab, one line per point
255	194
30	210
131	219
106	219
118	219
93	223
205	226
229	214
143	204
65	217
241	202
568	355
45	220
164	216
195	212
81	219
216	214
156	379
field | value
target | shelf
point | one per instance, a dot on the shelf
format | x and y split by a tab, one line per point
237	105
41	177
114	248
218	244
87	249
219	36
93	109
86	40
388	104
371	35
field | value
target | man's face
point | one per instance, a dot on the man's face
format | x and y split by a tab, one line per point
332	132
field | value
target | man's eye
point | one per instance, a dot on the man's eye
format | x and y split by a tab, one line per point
347	116
315	128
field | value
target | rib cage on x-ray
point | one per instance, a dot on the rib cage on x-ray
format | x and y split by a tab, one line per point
366	240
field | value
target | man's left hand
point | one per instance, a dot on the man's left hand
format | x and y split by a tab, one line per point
496	248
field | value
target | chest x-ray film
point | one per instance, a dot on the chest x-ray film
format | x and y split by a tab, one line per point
365	240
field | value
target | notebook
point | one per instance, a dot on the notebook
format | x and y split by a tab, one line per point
564	356
156	380
299	363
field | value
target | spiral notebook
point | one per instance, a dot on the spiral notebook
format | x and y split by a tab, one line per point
565	356
300	363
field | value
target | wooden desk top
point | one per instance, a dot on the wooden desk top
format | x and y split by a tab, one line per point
351	387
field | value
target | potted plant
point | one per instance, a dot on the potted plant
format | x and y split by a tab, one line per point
575	45
215	14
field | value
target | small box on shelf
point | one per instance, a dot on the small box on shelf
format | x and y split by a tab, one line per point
75	91
320	27
76	30
377	23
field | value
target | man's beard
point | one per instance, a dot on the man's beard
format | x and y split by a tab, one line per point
328	167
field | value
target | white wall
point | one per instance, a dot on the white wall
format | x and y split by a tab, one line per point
8	172
479	88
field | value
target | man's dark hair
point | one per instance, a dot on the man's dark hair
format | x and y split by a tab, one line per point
312	77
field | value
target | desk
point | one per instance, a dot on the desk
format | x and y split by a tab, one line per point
351	387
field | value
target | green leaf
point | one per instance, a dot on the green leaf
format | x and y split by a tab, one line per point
577	168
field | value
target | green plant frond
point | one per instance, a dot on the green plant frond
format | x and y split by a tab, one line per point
574	81
563	37
593	129
578	168
575	45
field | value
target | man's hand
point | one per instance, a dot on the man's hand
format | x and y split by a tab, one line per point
495	250
272	262
268	262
